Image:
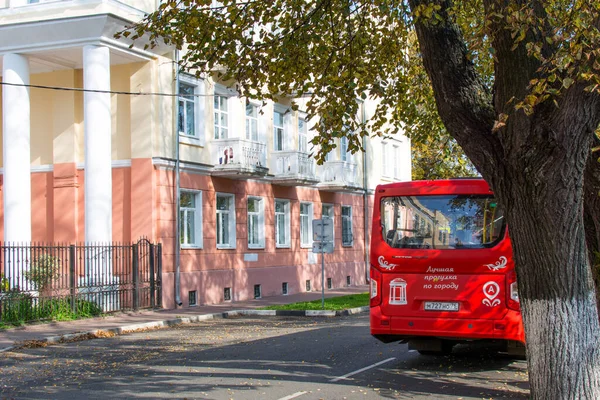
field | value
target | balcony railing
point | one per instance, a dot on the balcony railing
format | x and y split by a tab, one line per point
293	168
239	156
339	175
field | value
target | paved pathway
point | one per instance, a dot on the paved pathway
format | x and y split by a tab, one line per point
125	321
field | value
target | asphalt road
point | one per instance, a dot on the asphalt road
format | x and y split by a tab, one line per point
279	358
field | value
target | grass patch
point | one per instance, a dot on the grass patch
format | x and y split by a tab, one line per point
332	303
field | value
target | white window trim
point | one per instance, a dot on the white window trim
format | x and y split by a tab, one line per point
232	224
351	244
258	121
333	218
396	162
311	215
220	90
384	160
287	243
199	109
261	223
199	242
302	117
283	110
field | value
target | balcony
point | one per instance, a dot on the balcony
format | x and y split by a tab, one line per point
339	176
239	158
293	168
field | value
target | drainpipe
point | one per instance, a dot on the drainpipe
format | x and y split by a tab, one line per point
365	196
178	301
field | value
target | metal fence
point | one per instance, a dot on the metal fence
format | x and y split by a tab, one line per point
39	281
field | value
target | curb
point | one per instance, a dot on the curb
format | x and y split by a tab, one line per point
99	333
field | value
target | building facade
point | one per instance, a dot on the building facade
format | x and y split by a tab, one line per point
103	142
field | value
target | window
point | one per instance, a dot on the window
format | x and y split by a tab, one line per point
190	218
278	130
327	212
465	221
190	118
346	226
257	292
348	281
302	135
225	221
227	294
329	283
306	213
256	222
284	288
345	156
396	156
308	285
187	110
252	122
192	298
282	223
384	160
221	116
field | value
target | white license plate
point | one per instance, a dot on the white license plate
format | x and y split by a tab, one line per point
441	306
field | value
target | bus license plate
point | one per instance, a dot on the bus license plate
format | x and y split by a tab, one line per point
440	306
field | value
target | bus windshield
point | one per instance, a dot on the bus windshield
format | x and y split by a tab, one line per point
441	222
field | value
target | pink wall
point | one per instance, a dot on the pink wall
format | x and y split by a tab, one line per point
209	270
143	205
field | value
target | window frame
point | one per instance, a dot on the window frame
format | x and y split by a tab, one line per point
221	92
384	160
310	217
302	133
396	154
347	219
231	244
260	214
249	118
198	236
286	222
279	145
198	106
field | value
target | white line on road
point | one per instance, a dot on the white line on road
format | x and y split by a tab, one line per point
293	396
362	369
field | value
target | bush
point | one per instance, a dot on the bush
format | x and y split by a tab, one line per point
19	307
16	307
43	271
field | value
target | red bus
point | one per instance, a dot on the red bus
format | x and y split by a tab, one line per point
442	271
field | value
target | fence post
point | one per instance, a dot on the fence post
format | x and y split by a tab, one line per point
135	276
152	282
159	275
72	278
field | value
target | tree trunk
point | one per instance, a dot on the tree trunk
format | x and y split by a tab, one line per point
591	215
535	165
555	283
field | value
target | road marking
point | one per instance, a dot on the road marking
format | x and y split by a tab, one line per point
293	396
362	369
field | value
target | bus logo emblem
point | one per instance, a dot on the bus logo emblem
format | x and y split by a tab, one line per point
398	292
498	265
491	290
384	264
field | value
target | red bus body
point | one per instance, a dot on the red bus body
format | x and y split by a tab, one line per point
435	290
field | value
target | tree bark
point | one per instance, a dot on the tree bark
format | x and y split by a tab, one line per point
535	165
591	214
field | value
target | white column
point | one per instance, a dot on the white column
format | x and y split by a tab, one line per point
16	149
97	128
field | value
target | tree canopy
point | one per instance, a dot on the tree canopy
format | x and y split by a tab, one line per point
515	83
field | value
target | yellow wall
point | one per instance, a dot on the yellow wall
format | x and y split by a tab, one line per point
57	126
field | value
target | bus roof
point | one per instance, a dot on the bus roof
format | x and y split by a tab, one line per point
434	187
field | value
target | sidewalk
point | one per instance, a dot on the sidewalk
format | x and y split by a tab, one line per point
128	321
